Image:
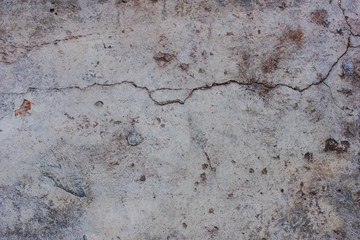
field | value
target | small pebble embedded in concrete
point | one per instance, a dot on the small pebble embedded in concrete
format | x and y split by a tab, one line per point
134	138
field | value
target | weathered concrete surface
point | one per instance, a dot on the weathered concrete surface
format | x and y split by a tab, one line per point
180	119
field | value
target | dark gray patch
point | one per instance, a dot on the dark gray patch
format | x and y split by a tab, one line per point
134	138
7	105
348	66
46	221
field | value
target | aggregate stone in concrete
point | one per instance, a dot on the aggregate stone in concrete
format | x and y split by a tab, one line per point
161	119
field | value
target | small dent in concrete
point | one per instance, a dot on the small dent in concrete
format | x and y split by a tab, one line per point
99	104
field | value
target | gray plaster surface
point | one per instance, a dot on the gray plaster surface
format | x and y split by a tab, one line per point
159	119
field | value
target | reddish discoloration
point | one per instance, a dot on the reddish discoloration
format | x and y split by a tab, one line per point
296	36
319	16
271	64
23	109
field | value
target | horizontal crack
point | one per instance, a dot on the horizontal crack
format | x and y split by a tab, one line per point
191	91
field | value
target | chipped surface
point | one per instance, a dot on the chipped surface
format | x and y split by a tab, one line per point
180	119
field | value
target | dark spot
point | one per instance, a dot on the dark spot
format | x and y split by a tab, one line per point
313	193
163	59
85	238
346	92
204	166
211	210
203	177
68	116
340	31
330	145
282	6
207	9
99	104
162	125
184	67
319	16
341	233
296	36
201	70
142	178
184	225
251	170
132	165
52	10
204	54
344	147
230	195
229	34
259	32
134	138
282	190
196	183
308	156
154	1
214	230
264	171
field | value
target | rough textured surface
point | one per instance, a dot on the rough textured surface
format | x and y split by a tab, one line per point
226	119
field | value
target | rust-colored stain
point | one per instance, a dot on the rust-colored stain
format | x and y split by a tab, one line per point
271	64
24	108
296	36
